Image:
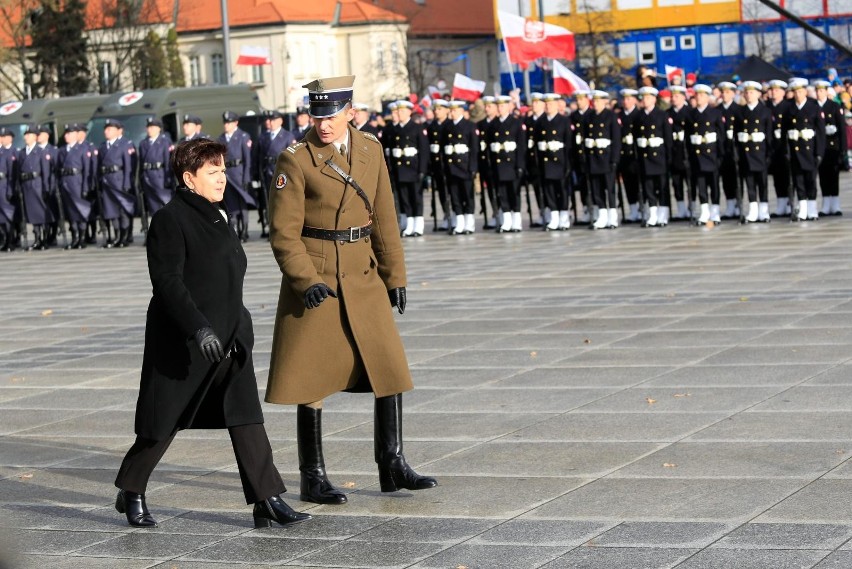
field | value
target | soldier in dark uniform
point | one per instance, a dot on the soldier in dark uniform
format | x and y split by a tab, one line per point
409	148
804	131
531	174
91	234
303	123
602	142
435	133
73	163
753	135
678	114
627	167
834	158
156	172
270	145
115	170
506	142
779	166
34	171
705	132
362	119
192	128
460	145
385	136
553	145
486	184
579	186
43	141
7	188
652	132
238	171
728	165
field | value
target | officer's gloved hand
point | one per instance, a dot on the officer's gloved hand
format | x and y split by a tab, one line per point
397	298
316	294
209	344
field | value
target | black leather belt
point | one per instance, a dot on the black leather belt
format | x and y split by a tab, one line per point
111	169
69	171
232	163
152	165
26	176
350	235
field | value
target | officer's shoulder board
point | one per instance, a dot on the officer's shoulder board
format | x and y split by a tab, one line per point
372	137
293	148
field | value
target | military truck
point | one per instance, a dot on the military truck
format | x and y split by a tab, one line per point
170	105
55	113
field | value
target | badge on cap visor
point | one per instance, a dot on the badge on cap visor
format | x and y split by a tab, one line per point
280	181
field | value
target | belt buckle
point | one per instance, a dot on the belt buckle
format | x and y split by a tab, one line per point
352	237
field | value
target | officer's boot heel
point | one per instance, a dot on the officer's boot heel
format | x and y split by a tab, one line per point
394	472
315	486
274	509
133	506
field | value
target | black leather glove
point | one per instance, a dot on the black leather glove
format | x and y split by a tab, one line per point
209	344
316	294
397	298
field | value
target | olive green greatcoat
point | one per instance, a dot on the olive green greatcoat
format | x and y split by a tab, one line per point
353	337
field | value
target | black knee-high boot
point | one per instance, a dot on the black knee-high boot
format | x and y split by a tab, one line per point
315	486
394	472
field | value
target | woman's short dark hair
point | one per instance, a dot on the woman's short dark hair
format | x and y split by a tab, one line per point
192	155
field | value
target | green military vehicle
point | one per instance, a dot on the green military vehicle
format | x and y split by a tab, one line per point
55	113
170	105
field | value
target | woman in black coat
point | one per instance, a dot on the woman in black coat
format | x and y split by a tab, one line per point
197	371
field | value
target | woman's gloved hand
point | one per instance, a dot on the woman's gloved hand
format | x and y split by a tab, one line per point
209	345
316	294
397	298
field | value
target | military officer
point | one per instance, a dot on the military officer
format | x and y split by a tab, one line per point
385	136
460	146
238	172
804	130
72	168
192	128
115	170
435	134
728	164
553	146
91	234
753	136
7	186
157	182
678	115
271	143
43	141
334	234
486	182
652	131
602	142
578	181
531	174
303	123
362	119
704	134
506	142
627	166
834	158
34	171
409	147
779	166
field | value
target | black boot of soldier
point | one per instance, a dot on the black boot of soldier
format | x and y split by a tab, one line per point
91	233
128	234
121	240
75	239
315	486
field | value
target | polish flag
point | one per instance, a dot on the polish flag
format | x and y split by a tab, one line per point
253	55
467	89
671	71
527	40
565	82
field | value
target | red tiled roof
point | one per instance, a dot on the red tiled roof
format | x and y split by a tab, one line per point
445	17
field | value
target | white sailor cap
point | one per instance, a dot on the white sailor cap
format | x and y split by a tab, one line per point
797	83
551	96
582	93
726	85
457	104
821	84
678	89
702	88
648	91
503	99
598	94
360	107
629	92
753	85
489	100
777	84
536	96
404	104
440	103
393	105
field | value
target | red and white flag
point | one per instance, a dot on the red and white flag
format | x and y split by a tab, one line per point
527	40
467	89
671	71
253	55
565	82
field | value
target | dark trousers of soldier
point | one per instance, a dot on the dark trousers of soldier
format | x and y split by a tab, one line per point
756	187
829	178
780	171
678	182
804	183
630	179
461	194
510	196
532	179
410	198
555	195
707	186
654	189
439	183
728	173
603	190
579	185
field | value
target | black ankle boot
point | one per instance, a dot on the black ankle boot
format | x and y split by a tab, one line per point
274	509
314	486
75	240
133	506
394	472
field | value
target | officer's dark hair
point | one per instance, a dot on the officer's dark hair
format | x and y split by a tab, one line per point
192	155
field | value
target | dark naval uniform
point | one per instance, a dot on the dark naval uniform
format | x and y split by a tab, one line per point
679	161
652	132
269	146
7	199
33	175
238	172
753	136
460	145
409	149
779	166
578	179
602	148
834	159
434	134
485	176
728	163
554	145
506	142
705	132
72	167
115	168
628	169
156	171
804	131
531	173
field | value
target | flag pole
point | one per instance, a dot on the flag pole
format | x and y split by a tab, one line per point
511	65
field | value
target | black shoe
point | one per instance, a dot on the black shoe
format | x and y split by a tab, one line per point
133	506
394	472
315	486
274	509
264	234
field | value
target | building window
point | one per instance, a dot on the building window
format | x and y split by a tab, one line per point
257	73
380	57
687	42
711	45
647	52
394	49
217	62
105	76
667	43
627	51
730	43
195	71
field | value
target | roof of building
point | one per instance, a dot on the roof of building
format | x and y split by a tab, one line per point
445	17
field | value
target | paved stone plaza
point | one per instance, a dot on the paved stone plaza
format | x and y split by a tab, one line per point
635	399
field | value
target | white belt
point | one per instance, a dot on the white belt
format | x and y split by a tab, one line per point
461	148
435	148
448	149
496	147
830	129
777	133
578	139
655	142
708	138
510	146
482	146
409	151
554	145
542	145
627	139
396	152
598	142
730	134
642	142
804	134
679	135
530	143
753	137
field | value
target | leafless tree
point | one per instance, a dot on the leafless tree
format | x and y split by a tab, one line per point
17	69
595	44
